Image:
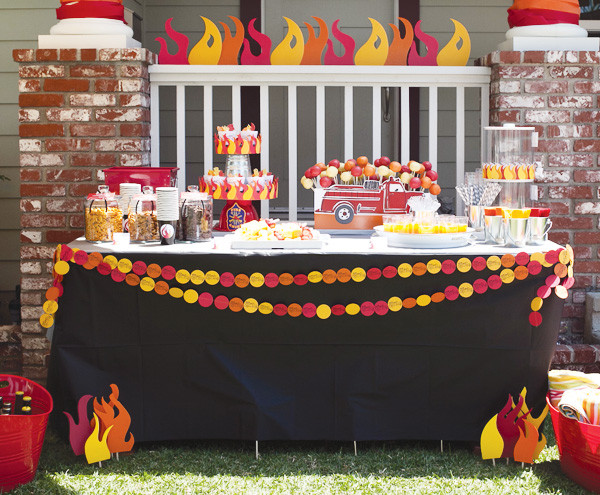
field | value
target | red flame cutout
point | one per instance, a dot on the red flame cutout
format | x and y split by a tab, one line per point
400	46
507	425
182	41
231	44
80	431
313	48
265	47
347	42
430	43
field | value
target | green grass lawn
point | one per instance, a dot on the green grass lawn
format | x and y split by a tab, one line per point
295	467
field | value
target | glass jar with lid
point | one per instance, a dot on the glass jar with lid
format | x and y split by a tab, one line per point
143	222
196	216
103	216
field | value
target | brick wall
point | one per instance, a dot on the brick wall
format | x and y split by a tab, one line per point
80	111
557	93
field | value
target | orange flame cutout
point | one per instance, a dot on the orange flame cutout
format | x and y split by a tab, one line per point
370	53
347	42
285	53
400	46
509	172
526	444
522	172
96	449
204	53
451	54
313	48
430	43
182	42
119	424
263	41
232	44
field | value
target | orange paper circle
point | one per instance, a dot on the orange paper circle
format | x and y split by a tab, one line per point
236	304
53	293
493	263
352	309
197	277
395	303
153	270
183	276
508	260
463	265
286	279
521	272
329	276
241	280
561	270
94	259
161	288
438	297
61	267
344	275
419	269
175	292
405	270
257	279
50	307
251	305
147	284
409	302
294	310
434	266
132	279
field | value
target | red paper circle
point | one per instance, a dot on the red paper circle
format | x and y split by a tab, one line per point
168	272
534	267
117	275
451	293
381	308
205	299
480	286
309	310
544	291
104	268
227	279
478	263
340	309
139	268
374	273
390	271
300	279
367	308
221	302
551	257
66	253
80	257
280	309
271	280
448	267
535	319
522	258
568	282
494	282
552	280
60	288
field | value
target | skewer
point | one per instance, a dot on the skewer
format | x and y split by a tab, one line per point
257	449
100	464
355	449
442	446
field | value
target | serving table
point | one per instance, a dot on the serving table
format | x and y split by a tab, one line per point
305	345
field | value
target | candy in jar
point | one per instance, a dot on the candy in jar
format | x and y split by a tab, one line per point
143	222
196	216
103	217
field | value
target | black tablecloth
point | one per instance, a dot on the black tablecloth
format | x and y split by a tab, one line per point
187	372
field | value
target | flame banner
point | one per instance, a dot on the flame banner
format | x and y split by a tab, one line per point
215	48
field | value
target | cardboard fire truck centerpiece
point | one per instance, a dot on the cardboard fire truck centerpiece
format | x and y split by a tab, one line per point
356	194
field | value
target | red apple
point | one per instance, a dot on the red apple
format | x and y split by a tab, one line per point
432	174
385	161
334	163
325	181
427	165
415	183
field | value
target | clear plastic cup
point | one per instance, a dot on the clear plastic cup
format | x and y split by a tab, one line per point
462	223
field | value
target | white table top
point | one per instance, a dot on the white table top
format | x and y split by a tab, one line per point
333	245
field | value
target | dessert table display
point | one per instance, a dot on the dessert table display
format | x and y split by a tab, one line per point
353	341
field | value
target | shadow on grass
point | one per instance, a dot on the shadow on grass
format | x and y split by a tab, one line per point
278	458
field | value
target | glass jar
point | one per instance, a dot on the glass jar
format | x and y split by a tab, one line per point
103	216
196	216
238	165
143	222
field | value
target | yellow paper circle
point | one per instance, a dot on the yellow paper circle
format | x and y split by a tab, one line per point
315	277
183	276
352	309
46	320
324	311
265	308
111	261
124	265
358	275
570	271
211	277
463	265
434	266
61	267
147	284
395	303
50	306
250	305
190	296
175	292
537	303
465	289
257	279
538	257
507	276
197	277
493	263
423	300
405	270
564	257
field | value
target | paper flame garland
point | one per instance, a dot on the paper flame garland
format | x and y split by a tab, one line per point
105	433
213	49
514	432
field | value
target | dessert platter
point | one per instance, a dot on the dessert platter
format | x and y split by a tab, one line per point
273	234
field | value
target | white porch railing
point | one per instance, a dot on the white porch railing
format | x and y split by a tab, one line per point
320	77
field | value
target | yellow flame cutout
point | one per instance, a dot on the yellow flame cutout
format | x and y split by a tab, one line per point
217	193
369	54
96	450
451	54
202	53
245	147
264	193
284	53
248	192
231	147
492	443
522	172
232	193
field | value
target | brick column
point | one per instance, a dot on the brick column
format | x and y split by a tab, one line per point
557	93
80	111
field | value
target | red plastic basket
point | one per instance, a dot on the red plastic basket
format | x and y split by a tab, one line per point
22	437
579	449
146	176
